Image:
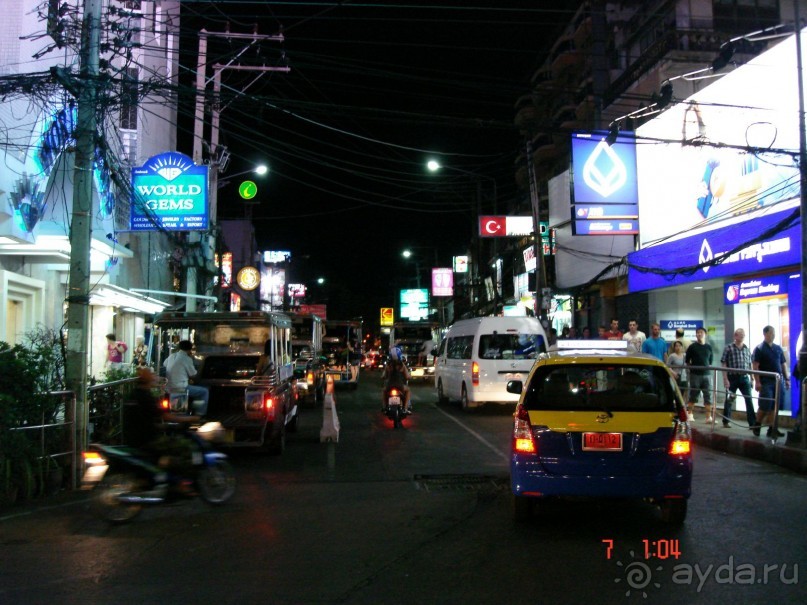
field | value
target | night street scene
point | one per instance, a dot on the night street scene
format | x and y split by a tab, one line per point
395	303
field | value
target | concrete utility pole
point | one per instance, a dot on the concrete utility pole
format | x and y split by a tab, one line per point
803	174
78	289
540	268
199	124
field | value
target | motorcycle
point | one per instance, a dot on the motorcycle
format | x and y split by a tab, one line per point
125	480
394	402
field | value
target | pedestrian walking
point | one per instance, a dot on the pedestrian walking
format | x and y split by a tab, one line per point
769	357
737	356
699	353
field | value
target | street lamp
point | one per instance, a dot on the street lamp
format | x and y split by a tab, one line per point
259	170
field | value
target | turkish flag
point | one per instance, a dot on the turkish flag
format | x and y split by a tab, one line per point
492	226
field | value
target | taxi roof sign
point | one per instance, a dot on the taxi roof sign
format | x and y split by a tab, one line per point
615	345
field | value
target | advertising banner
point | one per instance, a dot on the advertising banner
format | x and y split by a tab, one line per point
442	282
755	290
169	192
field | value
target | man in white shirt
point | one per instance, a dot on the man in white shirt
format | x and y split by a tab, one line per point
179	369
634	336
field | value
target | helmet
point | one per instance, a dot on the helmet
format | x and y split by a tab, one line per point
396	353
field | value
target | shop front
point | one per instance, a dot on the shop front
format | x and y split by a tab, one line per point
717	279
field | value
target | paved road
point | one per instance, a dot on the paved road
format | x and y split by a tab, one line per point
418	515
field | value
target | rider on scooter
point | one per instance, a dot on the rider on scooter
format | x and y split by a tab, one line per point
396	375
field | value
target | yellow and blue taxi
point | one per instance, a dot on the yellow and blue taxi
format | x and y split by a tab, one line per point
594	419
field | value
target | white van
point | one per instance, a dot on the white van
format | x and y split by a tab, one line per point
478	356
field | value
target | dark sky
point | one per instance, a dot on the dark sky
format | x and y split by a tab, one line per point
375	90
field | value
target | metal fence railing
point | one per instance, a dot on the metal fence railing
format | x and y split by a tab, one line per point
718	371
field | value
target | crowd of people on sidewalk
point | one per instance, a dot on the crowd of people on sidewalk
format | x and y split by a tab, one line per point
688	361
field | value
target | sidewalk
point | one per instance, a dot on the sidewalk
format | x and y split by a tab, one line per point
738	440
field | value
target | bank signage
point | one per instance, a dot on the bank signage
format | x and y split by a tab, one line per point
671	264
605	193
169	193
754	290
682	324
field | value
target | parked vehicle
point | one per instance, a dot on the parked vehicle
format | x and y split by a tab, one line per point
342	363
254	410
306	350
125	479
479	356
411	336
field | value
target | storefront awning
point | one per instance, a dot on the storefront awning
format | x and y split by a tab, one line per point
126	300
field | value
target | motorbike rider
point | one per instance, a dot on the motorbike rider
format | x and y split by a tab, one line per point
396	375
142	429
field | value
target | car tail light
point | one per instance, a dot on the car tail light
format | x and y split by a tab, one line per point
269	405
681	444
475	374
523	441
309	378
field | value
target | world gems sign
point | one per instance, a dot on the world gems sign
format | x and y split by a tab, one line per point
170	193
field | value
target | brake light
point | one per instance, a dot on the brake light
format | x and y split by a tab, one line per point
268	403
523	441
309	378
680	448
393	393
165	404
475	374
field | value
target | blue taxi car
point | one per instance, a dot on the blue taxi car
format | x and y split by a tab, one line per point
595	420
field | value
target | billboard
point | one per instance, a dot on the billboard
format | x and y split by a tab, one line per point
604	189
717	158
414	304
170	193
442	282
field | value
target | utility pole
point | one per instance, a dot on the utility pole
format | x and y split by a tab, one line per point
540	268
199	123
78	289
803	207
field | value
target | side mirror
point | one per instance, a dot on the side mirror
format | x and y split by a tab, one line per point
515	387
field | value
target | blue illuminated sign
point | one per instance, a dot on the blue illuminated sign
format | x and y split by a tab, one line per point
780	250
603	173
755	289
170	192
683	324
605	192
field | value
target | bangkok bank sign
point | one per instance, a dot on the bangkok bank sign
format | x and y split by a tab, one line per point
169	192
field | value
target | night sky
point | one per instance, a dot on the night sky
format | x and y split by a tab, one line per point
375	90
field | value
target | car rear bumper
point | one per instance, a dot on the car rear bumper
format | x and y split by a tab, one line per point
529	478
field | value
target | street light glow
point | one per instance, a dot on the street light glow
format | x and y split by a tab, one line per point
262	169
406	253
433	165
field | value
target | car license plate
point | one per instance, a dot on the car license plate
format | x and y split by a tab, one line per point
609	442
395	401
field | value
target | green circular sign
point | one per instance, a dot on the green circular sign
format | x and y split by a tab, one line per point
248	190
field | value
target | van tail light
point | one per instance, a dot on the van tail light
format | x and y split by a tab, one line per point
269	405
681	444
475	374
523	440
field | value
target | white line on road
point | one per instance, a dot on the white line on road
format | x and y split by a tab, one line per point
475	434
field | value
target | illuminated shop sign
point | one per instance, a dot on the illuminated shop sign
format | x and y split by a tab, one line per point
170	193
700	186
442	282
604	184
414	304
781	250
276	256
755	290
460	264
680	324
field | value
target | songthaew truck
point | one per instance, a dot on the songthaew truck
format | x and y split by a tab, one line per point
341	347
411	336
306	351
256	409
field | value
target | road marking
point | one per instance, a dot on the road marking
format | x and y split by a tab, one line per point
479	437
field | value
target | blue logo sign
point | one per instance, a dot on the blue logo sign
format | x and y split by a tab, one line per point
780	250
603	173
170	192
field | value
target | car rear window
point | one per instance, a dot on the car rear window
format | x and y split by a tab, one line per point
510	346
615	387
230	367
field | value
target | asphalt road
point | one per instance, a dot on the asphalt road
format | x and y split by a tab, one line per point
416	515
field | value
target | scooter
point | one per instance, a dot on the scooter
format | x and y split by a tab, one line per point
125	479
394	402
